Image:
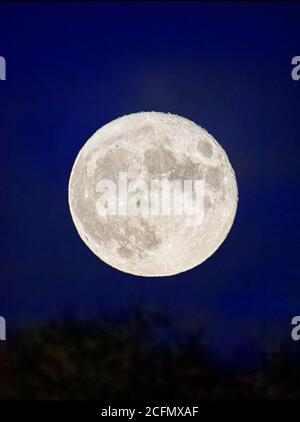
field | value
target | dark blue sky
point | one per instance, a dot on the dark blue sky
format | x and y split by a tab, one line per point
72	68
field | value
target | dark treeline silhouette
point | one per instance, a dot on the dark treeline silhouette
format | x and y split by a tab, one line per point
123	360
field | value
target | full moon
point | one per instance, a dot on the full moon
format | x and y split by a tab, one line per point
122	163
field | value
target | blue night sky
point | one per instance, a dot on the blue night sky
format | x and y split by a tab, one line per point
71	68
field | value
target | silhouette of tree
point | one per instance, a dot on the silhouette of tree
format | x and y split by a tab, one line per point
121	359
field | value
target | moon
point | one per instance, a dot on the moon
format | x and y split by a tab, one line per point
152	146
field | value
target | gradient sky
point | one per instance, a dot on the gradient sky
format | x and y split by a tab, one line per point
72	68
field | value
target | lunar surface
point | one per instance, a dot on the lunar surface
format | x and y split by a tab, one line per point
152	146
